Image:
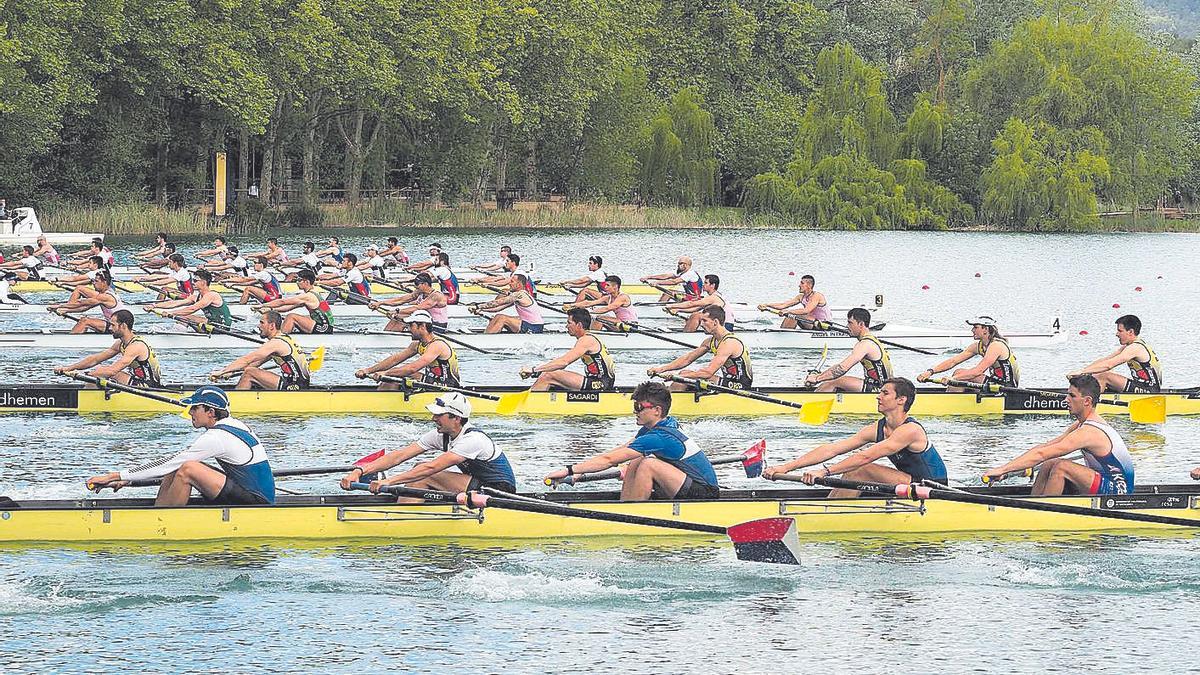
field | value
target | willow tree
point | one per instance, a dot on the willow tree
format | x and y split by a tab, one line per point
679	165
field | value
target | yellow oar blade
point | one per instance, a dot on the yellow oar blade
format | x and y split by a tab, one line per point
816	413
1148	410
318	359
509	404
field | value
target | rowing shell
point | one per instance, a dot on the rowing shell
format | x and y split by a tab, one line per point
289	287
774	338
342	517
742	311
369	401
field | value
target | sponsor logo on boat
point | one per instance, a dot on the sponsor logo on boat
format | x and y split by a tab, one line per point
1148	501
38	398
1021	401
583	397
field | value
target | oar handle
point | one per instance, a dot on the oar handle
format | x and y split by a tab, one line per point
417	384
105	383
626	328
460	343
705	384
619	471
1025	473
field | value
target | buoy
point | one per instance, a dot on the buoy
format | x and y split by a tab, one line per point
791	274
977	275
1116	305
1160	276
1138	289
1083	332
925	287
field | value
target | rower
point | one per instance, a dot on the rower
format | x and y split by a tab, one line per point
730	364
282	349
136	364
218	250
274	254
99	295
159	262
425	298
900	438
78	259
591	285
178	275
684	275
435	358
232	261
712	298
598	371
512	263
663	463
1107	467
203	299
868	352
470	460
997	363
332	254
46	252
394	253
28	268
260	284
529	315
435	252
611	308
499	265
807	306
320	316
372	263
87	276
352	278
446	279
307	261
1145	372
155	251
244	476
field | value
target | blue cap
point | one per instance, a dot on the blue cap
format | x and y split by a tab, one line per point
208	395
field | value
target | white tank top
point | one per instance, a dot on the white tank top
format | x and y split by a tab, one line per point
107	312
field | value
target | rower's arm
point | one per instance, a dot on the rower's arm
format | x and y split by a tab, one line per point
254	358
420	266
566	359
784	304
581	281
387	461
826	452
426	469
123	361
204	301
172	304
394	360
1075	438
587	304
286	304
398	300
685	360
987	360
431	354
839	369
901	438
724	353
498	304
606	460
692	305
94	359
1105	364
969	351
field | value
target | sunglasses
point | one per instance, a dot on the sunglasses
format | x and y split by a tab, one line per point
639	406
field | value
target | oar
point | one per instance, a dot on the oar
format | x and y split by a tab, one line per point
668	291
417	384
388	313
623	327
315	363
278	473
815	413
921	492
1145	410
770	540
105	383
752	460
210	328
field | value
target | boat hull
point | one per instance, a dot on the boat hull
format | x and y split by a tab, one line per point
369	401
340	518
289	287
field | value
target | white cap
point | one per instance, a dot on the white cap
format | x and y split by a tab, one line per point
372	247
982	321
419	316
453	403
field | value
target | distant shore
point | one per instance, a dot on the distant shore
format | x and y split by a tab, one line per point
139	219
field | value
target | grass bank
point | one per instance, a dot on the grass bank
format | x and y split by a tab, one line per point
118	219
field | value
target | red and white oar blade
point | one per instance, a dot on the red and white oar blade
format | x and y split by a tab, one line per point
754	458
770	540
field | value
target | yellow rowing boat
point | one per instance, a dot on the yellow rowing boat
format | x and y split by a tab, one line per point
368	401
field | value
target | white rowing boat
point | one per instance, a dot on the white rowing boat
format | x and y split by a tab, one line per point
552	339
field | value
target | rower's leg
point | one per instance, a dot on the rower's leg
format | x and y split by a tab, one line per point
1112	382
1053	479
297	323
395	325
254	376
843	383
640	480
504	324
91	324
564	379
978	379
875	473
788	322
177	487
692	324
122	377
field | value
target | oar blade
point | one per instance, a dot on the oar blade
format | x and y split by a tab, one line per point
318	359
510	404
754	458
1148	410
769	540
816	413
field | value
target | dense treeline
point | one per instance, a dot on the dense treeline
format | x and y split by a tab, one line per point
840	113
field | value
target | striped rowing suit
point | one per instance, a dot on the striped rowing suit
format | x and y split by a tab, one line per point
736	372
293	368
485	463
924	465
1003	371
598	371
441	370
142	372
693	286
322	316
1114	471
875	371
1145	377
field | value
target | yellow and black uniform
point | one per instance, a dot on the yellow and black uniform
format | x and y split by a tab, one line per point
875	371
1145	377
143	372
736	372
441	371
1003	371
293	368
598	371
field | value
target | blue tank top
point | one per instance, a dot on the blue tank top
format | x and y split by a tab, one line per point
256	477
495	469
666	442
924	465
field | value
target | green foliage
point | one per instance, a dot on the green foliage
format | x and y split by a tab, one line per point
678	166
302	215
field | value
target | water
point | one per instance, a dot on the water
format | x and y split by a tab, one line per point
1105	603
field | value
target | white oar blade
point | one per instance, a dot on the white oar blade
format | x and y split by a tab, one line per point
769	540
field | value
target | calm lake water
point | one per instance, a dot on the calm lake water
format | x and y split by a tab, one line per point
1102	603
